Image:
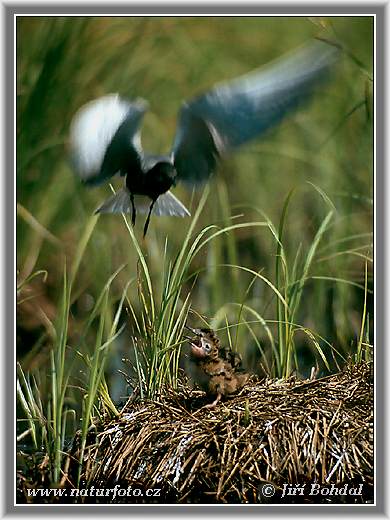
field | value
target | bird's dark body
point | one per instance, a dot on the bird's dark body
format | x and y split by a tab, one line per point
154	181
155	178
105	134
217	370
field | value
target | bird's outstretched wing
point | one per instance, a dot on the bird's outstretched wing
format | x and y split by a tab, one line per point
105	138
233	113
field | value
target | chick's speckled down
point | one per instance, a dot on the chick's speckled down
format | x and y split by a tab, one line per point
217	370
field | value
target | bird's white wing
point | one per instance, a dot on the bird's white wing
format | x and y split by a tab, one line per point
95	153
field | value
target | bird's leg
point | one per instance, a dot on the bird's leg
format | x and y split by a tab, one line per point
215	402
133	210
148	217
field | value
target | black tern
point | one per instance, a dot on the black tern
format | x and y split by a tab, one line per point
105	133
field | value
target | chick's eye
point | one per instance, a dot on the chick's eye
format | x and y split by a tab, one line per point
207	347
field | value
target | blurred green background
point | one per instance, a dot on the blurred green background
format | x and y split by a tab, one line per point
63	62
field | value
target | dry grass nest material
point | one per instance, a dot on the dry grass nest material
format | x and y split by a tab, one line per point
275	431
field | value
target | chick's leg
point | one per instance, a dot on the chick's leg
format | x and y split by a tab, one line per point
215	402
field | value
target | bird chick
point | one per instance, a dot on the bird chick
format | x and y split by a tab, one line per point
217	370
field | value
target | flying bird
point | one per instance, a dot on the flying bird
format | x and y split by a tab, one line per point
216	369
105	133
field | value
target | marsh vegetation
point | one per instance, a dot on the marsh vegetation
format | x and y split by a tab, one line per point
277	255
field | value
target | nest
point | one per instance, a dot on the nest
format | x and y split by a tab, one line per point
275	431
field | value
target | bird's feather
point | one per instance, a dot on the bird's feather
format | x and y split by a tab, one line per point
104	138
236	112
118	203
166	204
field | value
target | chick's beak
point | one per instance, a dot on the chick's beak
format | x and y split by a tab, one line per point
194	331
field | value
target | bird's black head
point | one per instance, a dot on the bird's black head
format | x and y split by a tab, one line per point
161	177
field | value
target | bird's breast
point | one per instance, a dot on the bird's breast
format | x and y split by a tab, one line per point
137	183
199	376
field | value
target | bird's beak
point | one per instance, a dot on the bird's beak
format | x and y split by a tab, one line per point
194	331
